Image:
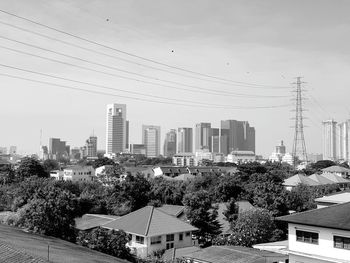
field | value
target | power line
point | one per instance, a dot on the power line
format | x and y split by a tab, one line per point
130	72
135	98
126	60
107	87
216	93
134	55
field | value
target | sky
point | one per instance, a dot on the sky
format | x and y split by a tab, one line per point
263	43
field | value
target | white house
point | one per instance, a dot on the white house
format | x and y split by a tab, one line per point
56	174
241	157
337	170
149	229
320	235
79	173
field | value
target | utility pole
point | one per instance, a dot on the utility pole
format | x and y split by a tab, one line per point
299	147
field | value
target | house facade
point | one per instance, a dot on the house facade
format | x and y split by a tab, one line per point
320	235
79	173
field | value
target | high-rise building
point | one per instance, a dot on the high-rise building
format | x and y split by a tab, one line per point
116	131
329	140
170	143
138	149
215	140
343	136
203	136
58	149
91	147
13	150
127	135
237	136
151	139
184	140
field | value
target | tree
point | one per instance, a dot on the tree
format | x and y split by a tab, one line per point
228	187
322	164
252	227
231	212
7	174
107	241
30	167
50	165
50	212
167	192
202	214
111	174
102	161
301	198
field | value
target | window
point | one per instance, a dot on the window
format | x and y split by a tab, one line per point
169	245
140	239
188	234
341	242
307	237
170	238
156	240
181	237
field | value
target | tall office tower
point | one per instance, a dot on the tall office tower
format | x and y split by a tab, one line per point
203	134
343	136
237	136
170	143
151	139
215	140
58	149
116	128
184	140
127	135
91	147
13	150
329	140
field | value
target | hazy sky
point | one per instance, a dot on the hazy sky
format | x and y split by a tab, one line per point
261	42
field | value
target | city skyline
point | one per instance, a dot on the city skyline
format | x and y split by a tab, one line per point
257	46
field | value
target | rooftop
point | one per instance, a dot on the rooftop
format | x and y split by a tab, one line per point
299	179
89	221
321	179
335	178
335	216
336	169
338	198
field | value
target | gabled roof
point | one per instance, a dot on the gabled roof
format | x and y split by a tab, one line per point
299	179
321	179
335	216
337	198
336	169
335	178
184	177
232	254
89	221
173	210
149	221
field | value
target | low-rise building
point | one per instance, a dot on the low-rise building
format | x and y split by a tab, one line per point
184	159
57	175
338	170
150	229
333	199
319	235
297	179
79	173
241	157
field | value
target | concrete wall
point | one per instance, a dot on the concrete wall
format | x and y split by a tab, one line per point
325	246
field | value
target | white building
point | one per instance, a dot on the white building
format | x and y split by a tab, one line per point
278	154
343	147
150	229
329	140
79	173
151	140
185	159
116	129
320	235
288	158
57	175
241	157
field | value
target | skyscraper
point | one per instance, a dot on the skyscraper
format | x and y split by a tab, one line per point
343	136
151	139
91	147
116	128
329	140
237	136
170	143
203	136
215	140
184	140
58	149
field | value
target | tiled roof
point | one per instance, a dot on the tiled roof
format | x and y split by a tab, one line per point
184	177
321	179
173	210
299	179
336	169
89	221
9	254
335	216
149	221
337	198
232	254
335	178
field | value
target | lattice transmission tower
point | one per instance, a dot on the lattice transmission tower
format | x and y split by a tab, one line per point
299	146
